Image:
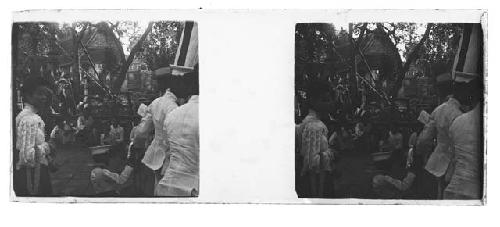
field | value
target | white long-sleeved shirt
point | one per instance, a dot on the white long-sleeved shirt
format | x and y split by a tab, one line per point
313	142
182	173
438	128
465	133
30	140
155	116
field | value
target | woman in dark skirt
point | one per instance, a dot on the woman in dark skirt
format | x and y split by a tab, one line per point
32	154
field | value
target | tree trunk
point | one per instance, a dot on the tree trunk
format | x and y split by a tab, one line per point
352	72
411	57
124	67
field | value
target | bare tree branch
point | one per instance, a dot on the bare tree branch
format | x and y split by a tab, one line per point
411	57
124	68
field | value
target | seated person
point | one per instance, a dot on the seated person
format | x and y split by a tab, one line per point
395	140
80	123
68	133
398	184
116	138
116	133
388	187
359	130
346	140
106	182
361	138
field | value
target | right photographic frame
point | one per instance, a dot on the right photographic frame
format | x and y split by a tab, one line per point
389	110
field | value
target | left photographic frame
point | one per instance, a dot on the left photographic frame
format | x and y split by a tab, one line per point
105	109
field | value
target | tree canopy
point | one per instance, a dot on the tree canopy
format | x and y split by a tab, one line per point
155	43
433	43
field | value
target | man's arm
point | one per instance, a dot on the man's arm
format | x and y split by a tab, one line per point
426	139
451	167
144	128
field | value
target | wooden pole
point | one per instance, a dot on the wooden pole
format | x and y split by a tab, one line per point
75	73
353	69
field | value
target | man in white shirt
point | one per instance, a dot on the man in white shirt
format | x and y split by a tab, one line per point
465	171
181	176
437	129
157	152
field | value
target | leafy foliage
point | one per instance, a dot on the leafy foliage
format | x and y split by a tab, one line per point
405	44
38	47
439	47
314	42
159	47
42	39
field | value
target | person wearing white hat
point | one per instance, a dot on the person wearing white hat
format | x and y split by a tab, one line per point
437	129
456	156
158	151
181	175
465	172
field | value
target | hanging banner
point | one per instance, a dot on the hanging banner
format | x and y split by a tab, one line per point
469	57
187	52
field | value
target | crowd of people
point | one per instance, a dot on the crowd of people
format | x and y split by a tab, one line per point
435	156
167	165
160	147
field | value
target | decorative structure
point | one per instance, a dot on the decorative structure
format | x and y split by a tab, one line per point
469	58
187	53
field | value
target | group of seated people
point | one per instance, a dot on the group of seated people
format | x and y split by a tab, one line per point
64	132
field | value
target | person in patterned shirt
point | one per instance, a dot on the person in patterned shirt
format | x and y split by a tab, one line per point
32	152
312	142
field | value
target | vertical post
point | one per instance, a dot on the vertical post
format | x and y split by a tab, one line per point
353	71
86	87
16	78
85	79
75	74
